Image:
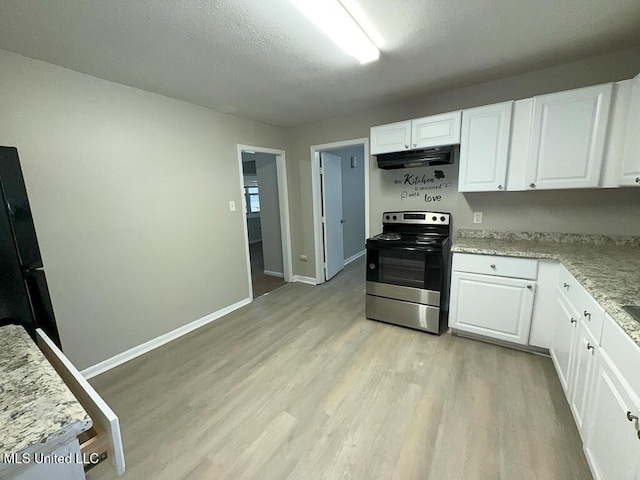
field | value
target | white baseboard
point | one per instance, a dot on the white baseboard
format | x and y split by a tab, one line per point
145	347
354	257
302	279
274	274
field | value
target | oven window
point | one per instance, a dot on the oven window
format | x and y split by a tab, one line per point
409	268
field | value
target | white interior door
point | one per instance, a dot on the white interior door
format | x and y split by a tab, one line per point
331	178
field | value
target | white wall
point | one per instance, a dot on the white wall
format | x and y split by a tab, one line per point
129	192
269	212
353	211
612	211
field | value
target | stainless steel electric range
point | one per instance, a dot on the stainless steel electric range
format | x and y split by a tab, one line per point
408	271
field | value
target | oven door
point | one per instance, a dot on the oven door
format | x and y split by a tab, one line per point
411	267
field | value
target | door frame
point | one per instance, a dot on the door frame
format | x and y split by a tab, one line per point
283	203
317	196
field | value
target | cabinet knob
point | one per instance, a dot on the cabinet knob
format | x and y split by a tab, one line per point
637	179
493	265
406	146
530	287
587	315
566	285
500	187
590	347
532	185
631	417
415	145
372	266
573	320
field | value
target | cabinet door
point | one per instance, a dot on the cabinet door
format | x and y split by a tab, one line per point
394	137
495	307
630	174
582	376
568	138
612	444
484	148
564	335
436	130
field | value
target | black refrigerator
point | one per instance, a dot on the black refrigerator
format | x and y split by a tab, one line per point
24	295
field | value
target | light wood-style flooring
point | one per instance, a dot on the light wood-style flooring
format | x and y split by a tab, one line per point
299	385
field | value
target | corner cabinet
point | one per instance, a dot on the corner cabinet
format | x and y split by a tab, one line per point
432	131
630	174
492	296
484	148
568	138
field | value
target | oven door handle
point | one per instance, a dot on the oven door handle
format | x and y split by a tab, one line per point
410	249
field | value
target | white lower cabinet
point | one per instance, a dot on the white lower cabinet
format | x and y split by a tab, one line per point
564	335
613	446
491	306
582	375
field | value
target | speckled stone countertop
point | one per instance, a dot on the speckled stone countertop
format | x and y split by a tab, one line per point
37	410
607	267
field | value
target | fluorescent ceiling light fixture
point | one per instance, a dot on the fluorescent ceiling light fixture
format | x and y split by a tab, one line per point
339	25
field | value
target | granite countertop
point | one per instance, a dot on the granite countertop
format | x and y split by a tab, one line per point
607	267
37	410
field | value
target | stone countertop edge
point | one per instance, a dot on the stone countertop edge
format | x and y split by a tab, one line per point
38	412
607	267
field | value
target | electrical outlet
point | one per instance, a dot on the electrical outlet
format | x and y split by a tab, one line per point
477	217
232	206
303	258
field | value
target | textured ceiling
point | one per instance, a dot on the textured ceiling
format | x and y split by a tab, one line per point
262	59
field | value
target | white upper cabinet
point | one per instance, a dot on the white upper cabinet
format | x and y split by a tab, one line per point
433	131
568	138
630	174
436	130
394	137
484	148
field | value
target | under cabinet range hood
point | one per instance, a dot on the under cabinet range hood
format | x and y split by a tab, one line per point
419	158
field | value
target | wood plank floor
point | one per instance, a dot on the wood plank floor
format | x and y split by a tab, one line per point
299	385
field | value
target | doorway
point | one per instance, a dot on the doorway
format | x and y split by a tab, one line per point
340	183
266	210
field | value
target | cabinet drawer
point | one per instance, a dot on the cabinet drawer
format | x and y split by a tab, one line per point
623	351
104	437
494	265
591	313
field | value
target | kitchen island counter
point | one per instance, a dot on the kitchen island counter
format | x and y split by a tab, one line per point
38	412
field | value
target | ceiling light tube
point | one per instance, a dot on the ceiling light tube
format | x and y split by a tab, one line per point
338	24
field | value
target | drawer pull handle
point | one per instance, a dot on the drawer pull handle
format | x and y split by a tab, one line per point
631	417
493	265
590	347
530	287
587	314
573	320
566	285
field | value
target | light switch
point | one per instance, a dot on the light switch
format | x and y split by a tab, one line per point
477	217
232	206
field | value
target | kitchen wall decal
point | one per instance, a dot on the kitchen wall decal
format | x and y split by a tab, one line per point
419	187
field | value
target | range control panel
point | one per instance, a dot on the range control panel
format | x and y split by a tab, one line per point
416	218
